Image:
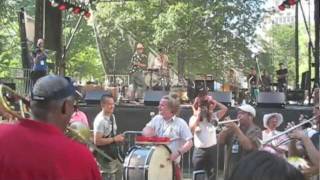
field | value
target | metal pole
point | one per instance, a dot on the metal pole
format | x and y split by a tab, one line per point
297	46
317	29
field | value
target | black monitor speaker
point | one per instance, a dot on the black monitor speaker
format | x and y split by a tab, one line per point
222	97
271	99
152	98
93	97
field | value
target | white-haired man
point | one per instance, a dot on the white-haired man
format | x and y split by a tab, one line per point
167	124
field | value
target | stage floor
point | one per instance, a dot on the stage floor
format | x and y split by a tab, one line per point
132	117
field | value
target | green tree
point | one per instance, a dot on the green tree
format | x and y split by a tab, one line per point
209	35
280	48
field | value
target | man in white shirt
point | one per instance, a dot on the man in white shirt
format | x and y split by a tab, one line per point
167	124
106	138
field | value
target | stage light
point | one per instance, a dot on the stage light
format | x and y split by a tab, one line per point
292	2
281	7
63	6
76	10
87	14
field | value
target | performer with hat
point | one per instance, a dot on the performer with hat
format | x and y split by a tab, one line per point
240	140
271	122
137	65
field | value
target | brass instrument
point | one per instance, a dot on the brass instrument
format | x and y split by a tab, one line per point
221	123
24	104
81	135
264	142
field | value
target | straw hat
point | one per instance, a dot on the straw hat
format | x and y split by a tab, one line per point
266	118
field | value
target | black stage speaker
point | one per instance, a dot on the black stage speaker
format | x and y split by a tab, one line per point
222	97
152	98
93	97
295	95
199	175
271	99
53	30
199	84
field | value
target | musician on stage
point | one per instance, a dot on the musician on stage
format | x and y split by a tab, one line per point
282	75
240	140
137	65
37	148
168	124
204	132
265	81
106	138
234	83
40	66
271	122
161	63
253	84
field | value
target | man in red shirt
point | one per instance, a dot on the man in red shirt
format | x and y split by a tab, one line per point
37	149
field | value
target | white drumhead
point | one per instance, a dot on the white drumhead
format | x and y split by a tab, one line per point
160	168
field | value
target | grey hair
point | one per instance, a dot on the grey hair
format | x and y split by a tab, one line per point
45	86
173	103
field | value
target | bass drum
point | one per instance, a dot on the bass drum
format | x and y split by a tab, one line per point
148	163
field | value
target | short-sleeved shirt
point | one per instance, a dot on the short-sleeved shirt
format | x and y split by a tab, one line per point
137	58
41	62
234	149
33	150
283	73
176	129
206	135
79	116
103	124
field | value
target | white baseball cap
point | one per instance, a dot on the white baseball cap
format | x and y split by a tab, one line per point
266	117
248	108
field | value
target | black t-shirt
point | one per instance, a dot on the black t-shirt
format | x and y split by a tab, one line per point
283	75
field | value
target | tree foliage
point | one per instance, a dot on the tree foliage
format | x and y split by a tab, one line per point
280	48
211	35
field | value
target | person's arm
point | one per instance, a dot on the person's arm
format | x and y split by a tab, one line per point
223	110
185	134
223	136
194	119
98	136
149	129
312	152
246	142
185	148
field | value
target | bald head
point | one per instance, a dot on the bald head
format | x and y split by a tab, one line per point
51	97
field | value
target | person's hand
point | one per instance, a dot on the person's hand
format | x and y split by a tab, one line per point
297	134
174	156
119	138
232	127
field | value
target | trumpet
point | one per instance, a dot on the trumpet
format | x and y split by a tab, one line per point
267	141
81	135
220	123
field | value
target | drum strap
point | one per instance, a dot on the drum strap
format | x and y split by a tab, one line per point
113	149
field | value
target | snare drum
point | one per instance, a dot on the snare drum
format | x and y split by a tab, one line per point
150	162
